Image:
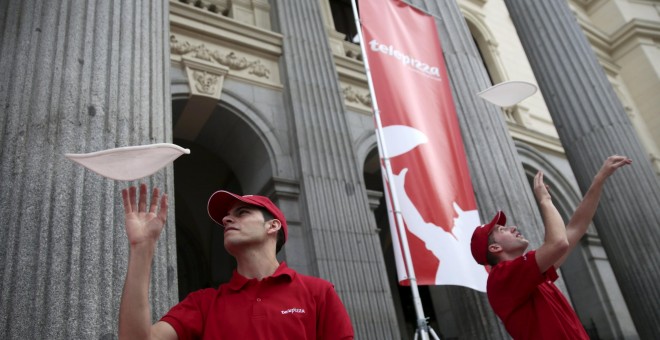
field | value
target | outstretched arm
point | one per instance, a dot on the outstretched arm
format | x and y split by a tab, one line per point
143	227
584	213
555	244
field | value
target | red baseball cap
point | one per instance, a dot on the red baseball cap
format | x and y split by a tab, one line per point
221	201
479	243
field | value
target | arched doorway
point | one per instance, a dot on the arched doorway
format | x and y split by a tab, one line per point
226	153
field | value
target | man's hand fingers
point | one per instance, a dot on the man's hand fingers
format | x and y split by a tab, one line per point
143	198
538	179
131	198
623	161
127	204
614	162
162	213
154	201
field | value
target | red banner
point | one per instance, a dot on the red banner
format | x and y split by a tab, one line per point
423	141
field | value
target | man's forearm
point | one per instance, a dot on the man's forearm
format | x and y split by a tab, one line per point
555	244
586	210
135	311
555	231
584	213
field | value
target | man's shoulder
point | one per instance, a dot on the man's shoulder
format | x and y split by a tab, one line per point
314	285
313	280
203	292
514	262
505	268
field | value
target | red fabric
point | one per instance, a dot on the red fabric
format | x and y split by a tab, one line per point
529	303
286	305
412	89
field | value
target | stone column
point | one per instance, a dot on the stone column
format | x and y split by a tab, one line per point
592	124
76	77
495	167
337	222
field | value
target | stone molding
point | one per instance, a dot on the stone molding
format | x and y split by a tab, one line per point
251	54
204	78
228	59
216	58
249	12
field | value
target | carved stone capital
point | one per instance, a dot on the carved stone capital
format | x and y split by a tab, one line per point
204	78
351	95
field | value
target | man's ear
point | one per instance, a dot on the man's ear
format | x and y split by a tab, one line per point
494	248
274	226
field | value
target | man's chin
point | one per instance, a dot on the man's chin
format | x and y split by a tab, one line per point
231	244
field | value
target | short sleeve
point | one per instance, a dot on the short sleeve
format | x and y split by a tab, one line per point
333	320
187	317
511	283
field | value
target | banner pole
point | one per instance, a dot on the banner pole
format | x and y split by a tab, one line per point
422	324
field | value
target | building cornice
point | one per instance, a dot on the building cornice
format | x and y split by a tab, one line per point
215	26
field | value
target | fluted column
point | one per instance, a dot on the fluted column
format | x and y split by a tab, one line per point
495	167
592	124
337	220
75	77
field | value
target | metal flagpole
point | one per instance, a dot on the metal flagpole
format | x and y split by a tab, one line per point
422	324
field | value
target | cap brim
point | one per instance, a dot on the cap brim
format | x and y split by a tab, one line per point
220	202
498	219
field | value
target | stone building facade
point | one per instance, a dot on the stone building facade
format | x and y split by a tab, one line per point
271	98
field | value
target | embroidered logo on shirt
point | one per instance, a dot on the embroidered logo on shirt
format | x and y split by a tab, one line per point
293	310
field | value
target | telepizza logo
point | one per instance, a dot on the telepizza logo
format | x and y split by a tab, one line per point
407	60
293	310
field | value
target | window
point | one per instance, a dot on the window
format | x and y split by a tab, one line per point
342	16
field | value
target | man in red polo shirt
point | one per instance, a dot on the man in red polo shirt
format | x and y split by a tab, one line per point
520	285
263	300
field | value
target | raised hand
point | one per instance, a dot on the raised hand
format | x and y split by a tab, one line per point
611	164
142	225
540	189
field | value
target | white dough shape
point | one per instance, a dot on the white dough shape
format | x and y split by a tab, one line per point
508	93
130	162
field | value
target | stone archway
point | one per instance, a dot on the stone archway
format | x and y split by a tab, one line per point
228	153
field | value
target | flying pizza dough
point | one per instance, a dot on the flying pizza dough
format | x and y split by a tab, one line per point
508	93
130	162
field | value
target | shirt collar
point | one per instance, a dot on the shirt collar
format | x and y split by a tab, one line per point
238	281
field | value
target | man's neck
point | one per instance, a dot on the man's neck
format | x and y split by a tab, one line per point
256	265
511	255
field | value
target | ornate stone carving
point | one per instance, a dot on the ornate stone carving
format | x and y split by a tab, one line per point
259	69
353	96
230	59
177	47
205	82
204	77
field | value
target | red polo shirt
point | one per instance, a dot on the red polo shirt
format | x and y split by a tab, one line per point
286	305
529	303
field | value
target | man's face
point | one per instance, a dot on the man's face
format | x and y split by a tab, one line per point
244	226
509	238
